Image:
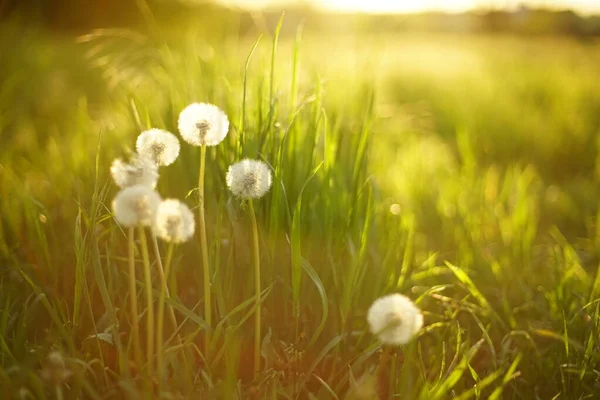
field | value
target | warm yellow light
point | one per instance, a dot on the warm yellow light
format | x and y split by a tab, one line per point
411	6
400	6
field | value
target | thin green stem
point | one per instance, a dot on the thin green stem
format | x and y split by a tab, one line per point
596	285
149	301
59	392
164	293
384	360
204	246
135	328
256	259
160	315
169	260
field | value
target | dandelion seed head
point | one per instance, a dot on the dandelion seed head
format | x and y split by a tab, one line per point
249	179
394	319
56	360
139	170
365	388
160	146
24	393
174	221
203	124
55	371
136	205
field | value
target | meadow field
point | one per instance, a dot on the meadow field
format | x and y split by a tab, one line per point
461	171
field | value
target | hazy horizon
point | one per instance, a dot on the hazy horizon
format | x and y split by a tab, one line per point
415	6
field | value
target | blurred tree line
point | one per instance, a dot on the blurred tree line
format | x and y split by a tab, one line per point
83	15
79	16
524	20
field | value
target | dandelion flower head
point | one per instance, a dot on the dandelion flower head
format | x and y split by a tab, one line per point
160	146
55	359
394	319
202	124
138	171
136	205
174	221
55	370
249	179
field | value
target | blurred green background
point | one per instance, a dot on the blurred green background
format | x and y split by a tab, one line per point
517	87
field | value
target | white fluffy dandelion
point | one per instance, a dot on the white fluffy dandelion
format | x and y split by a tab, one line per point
136	205
249	179
55	370
138	171
174	221
160	146
202	124
394	319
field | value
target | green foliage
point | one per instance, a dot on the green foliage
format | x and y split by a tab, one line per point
448	172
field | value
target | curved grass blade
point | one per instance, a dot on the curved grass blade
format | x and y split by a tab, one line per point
314	276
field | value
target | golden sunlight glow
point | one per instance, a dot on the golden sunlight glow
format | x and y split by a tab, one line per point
415	6
401	6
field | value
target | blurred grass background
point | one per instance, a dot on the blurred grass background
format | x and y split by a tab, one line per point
471	139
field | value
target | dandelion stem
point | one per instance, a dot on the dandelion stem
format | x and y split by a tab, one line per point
256	260
204	246
135	328
149	301
59	393
384	360
169	259
164	293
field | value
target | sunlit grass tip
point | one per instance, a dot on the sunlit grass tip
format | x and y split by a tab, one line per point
174	221
394	319
249	179
139	170
159	145
203	124
136	205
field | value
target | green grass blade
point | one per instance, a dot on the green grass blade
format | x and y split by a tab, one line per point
314	276
453	378
296	258
465	280
242	123
510	375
